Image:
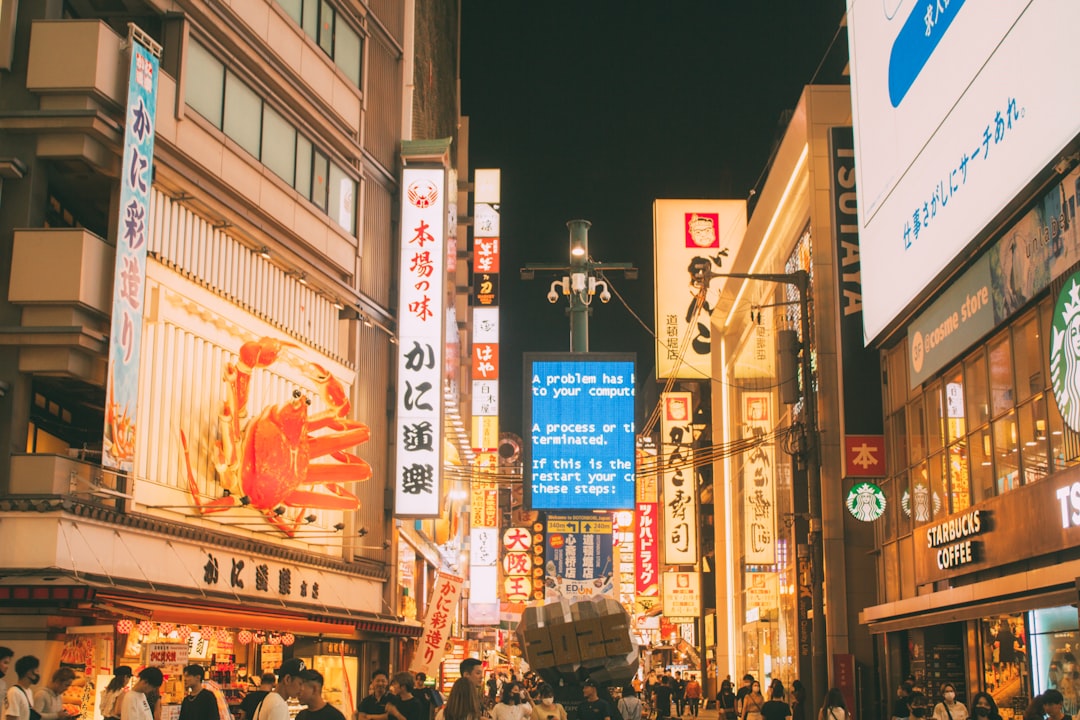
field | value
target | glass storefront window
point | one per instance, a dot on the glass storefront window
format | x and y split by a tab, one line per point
896	439
1005	661
959	479
982	464
1002	396
939	494
978	409
935	418
1033	439
1055	638
916	432
1028	343
1006	455
954	405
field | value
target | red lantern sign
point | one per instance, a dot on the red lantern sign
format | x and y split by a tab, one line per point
125	626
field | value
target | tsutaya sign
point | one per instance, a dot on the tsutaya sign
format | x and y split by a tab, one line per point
420	343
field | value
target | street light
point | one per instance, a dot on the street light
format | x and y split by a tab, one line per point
700	275
579	282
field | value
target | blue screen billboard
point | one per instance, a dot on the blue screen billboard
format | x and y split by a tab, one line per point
579	410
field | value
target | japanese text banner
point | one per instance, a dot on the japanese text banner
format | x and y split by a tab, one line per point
759	473
125	342
679	507
442	609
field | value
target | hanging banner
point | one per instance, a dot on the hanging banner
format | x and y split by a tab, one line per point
648	561
517	564
578	549
690	233
682	595
129	275
623	549
759	478
680	512
441	610
483	603
420	343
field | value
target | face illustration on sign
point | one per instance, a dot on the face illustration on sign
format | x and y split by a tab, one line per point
701	231
677	409
1065	352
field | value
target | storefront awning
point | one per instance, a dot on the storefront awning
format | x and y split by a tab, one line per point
976	610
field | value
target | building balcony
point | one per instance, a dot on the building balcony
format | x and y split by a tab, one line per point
40	476
63	280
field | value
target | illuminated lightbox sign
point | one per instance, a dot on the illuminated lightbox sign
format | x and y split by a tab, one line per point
956	107
581	445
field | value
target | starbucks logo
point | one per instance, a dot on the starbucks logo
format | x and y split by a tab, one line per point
866	502
917	355
1065	352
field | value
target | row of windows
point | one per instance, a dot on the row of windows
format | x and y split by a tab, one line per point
987	426
320	21
226	101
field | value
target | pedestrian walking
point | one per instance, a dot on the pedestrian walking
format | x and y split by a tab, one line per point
136	705
629	706
726	701
753	702
547	708
113	694
19	701
311	695
775	708
949	708
833	708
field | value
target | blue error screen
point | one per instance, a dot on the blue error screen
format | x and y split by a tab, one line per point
581	447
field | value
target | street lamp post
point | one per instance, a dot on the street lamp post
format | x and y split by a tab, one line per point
579	282
801	280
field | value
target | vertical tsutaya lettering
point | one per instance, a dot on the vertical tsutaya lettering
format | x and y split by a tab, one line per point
1069	499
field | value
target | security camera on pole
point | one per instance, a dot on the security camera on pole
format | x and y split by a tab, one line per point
580	283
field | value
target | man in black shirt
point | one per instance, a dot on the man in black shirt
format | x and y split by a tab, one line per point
662	695
402	704
199	703
311	684
679	691
373	707
593	708
253	698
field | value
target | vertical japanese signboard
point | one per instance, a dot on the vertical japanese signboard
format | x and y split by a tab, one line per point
517	564
648	561
685	233
484	555
682	595
759	477
420	343
623	548
578	549
442	608
125	341
680	480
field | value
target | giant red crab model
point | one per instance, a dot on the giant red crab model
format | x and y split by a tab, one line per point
266	463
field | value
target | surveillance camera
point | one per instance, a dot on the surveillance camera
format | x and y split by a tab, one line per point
552	296
605	296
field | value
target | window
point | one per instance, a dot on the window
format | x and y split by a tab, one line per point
279	145
204	90
1002	396
1006	455
1028	342
342	198
243	114
322	23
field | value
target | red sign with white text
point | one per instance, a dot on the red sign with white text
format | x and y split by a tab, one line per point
486	254
648	561
441	611
864	456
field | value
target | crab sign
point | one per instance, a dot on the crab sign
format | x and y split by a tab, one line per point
267	463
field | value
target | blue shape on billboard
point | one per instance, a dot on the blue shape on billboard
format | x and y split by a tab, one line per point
580	449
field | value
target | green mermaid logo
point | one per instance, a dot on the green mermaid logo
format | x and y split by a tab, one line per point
1065	352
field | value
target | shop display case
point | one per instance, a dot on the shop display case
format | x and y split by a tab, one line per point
339	663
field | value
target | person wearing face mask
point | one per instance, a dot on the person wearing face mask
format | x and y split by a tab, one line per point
753	702
547	708
983	707
19	701
918	704
509	706
949	708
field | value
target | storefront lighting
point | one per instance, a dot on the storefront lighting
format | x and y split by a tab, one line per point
166	628
183	632
264	252
274	640
145	627
222	634
288	639
244	637
125	626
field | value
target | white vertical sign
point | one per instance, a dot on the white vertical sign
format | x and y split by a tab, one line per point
679	501
759	479
420	343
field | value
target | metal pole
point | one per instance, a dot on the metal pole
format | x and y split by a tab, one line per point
579	278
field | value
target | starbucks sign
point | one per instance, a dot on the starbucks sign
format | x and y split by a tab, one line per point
1065	352
866	502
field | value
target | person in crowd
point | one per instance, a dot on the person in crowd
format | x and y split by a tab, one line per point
113	693
692	694
546	708
311	694
7	656
753	702
949	708
430	696
593	708
726	701
629	706
798	701
1053	705
901	711
19	699
198	703
50	702
402	704
742	692
464	701
136	705
473	669
983	707
275	706
918	704
662	695
1036	709
775	708
373	707
492	690
510	706
833	708
254	697
679	693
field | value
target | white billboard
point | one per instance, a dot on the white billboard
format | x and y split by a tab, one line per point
956	106
708	232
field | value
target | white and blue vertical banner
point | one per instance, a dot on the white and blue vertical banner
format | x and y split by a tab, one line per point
129	282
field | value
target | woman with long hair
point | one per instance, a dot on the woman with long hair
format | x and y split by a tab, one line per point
463	703
753	702
983	707
834	708
114	693
725	701
510	706
949	708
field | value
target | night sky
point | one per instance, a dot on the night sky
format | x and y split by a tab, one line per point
594	108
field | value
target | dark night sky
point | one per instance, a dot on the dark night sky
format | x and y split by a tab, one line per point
593	108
